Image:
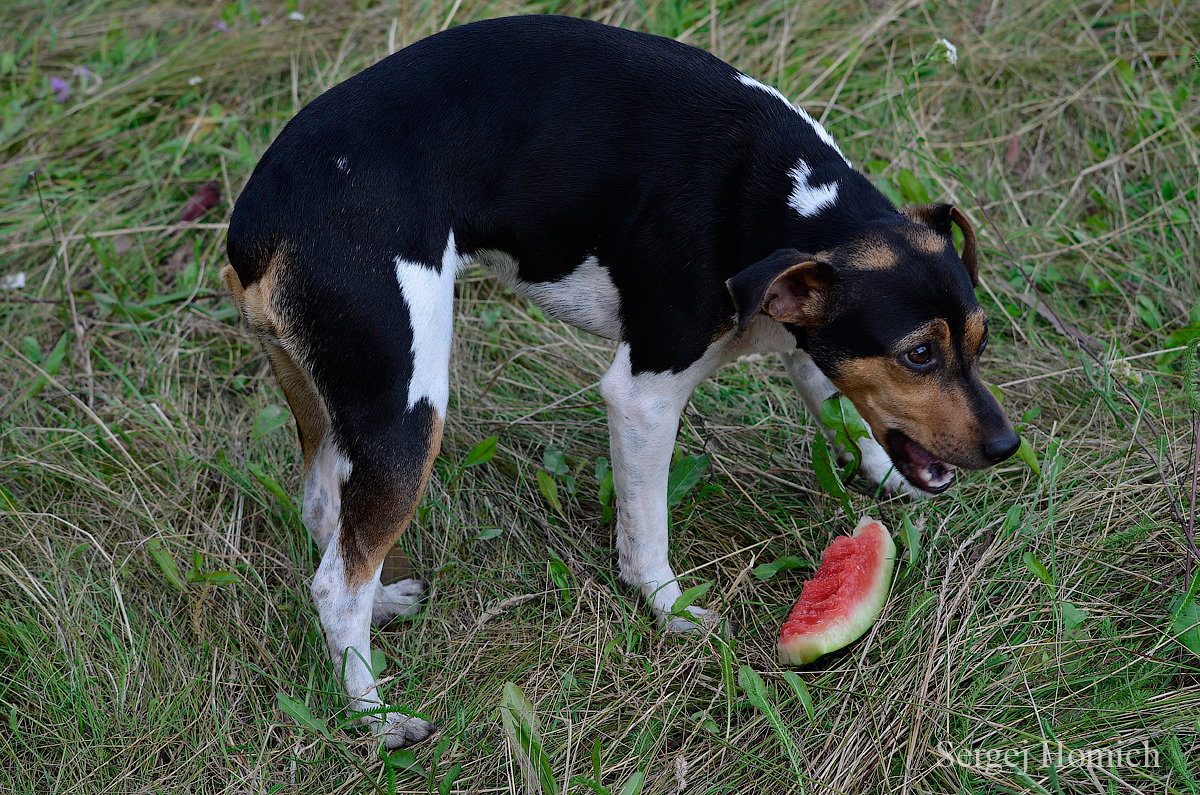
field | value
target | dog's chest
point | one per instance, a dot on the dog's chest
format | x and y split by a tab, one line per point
585	297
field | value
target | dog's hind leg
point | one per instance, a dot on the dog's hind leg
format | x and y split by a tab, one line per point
363	356
387	390
378	499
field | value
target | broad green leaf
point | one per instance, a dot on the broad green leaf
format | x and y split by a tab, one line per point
911	187
607	493
634	785
1185	617
1186	626
167	564
1026	453
30	349
481	453
51	366
488	534
447	782
1012	519
300	713
839	415
560	573
554	461
689	596
1038	569
404	759
766	571
1072	617
217	578
801	691
268	419
826	476
684	477
549	490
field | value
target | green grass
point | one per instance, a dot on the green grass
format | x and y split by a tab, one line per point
135	408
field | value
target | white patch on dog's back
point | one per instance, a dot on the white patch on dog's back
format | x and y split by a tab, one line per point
821	132
343	165
586	297
429	295
808	199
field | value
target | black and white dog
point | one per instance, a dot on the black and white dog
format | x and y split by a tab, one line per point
635	187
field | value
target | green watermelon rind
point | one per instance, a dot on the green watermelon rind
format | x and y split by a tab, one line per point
803	648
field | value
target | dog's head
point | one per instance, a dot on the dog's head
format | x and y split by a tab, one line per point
890	317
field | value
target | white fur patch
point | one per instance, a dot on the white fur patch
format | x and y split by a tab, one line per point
586	297
808	199
429	295
329	471
346	615
821	132
343	165
643	418
346	618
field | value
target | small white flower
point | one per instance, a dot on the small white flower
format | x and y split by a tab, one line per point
296	16
13	281
951	51
195	80
1123	371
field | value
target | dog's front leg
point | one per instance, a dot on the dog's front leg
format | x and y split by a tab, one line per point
643	418
876	467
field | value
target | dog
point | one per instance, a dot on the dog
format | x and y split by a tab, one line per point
638	188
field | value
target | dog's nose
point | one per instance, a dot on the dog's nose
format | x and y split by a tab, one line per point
1002	446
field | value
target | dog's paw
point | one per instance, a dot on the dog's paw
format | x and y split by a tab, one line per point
402	730
403	598
697	621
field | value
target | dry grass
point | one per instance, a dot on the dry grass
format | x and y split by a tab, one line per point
1073	125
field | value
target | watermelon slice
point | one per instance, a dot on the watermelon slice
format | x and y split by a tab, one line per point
845	597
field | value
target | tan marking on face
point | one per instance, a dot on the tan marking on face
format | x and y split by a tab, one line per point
875	256
370	530
973	333
925	241
933	412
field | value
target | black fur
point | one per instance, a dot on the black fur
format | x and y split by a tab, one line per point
552	139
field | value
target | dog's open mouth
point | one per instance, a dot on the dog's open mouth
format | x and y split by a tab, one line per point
918	466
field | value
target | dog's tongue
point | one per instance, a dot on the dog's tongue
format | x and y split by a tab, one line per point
932	473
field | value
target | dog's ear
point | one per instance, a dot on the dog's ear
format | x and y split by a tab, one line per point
789	286
939	217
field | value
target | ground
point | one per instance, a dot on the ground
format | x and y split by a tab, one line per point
156	633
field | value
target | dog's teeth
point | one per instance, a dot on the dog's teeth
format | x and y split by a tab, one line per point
941	477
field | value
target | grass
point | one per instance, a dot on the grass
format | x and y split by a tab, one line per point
156	633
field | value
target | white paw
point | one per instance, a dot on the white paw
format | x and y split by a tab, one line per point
402	730
698	621
403	598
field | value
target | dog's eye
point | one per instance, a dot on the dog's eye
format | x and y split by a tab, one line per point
920	357
983	343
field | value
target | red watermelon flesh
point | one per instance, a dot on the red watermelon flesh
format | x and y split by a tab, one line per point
844	598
